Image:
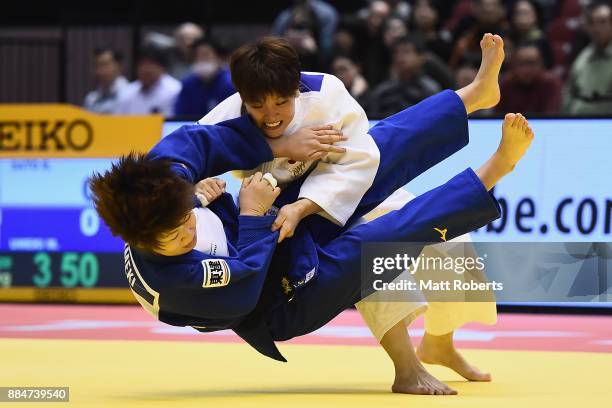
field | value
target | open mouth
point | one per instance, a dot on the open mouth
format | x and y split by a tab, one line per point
273	125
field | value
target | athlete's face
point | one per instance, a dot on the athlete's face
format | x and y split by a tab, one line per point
180	240
272	114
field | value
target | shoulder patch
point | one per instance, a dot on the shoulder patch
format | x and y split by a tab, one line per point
216	273
310	82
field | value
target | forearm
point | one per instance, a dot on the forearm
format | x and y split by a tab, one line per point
307	207
206	151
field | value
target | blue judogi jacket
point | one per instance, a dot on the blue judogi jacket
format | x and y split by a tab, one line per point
213	292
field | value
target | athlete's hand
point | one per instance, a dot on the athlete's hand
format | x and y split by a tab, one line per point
257	195
310	143
209	189
287	221
290	216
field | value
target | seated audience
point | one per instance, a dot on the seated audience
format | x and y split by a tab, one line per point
109	82
409	85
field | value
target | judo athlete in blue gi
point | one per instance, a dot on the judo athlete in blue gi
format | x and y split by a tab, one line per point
266	292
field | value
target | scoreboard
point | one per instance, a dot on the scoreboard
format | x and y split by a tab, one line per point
54	247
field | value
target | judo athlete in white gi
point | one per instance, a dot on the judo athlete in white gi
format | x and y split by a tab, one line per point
241	286
335	185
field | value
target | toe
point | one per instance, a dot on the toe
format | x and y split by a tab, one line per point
509	119
530	134
516	121
498	40
487	41
421	390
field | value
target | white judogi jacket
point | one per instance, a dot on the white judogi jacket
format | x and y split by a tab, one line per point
338	182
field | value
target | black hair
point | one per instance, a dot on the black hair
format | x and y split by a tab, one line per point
416	42
155	54
115	54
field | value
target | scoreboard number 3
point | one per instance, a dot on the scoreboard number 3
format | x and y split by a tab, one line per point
76	269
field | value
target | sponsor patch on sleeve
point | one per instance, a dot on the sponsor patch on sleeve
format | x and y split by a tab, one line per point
216	273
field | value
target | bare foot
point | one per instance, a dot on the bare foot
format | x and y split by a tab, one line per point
484	92
516	138
440	350
419	381
487	79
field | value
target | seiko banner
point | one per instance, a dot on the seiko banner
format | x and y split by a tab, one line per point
42	131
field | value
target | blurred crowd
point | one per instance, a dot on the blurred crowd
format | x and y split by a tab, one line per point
390	55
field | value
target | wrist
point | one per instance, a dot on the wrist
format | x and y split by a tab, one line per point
278	146
306	207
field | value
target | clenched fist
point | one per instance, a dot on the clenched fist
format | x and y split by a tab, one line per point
209	189
257	194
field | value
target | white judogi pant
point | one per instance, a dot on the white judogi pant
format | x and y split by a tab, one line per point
440	317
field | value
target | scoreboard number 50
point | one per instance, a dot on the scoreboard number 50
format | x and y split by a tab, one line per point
76	269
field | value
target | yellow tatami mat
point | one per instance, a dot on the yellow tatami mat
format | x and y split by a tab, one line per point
121	374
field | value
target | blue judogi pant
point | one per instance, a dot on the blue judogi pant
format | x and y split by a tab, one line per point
410	142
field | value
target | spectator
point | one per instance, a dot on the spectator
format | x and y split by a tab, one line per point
372	54
348	72
426	25
394	28
526	23
344	41
409	86
208	84
438	71
529	87
589	85
109	82
399	8
490	18
154	91
309	26
465	74
185	36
